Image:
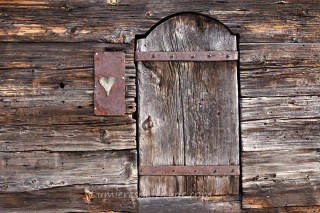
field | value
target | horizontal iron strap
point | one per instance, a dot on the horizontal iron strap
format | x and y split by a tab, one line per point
187	56
189	170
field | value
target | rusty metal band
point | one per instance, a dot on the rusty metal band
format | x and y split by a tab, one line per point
187	56
189	170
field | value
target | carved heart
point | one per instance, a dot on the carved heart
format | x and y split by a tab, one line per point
107	83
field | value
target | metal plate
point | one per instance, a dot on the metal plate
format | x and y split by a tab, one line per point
187	56
109	64
189	170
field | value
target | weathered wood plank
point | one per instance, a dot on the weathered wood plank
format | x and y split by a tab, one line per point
280	134
67	137
76	198
262	108
281	178
32	171
279	69
189	204
309	209
49	20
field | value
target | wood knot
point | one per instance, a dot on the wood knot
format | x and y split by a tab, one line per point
147	124
88	195
148	14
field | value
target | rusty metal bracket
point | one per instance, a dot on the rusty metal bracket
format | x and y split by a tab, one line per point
187	56
189	170
109	92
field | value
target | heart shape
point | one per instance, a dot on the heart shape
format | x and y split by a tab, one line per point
107	83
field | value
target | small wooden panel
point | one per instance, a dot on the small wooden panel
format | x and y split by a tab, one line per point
109	93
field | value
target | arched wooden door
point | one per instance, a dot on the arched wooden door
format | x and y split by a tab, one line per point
188	133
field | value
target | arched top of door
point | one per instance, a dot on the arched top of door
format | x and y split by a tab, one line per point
188	32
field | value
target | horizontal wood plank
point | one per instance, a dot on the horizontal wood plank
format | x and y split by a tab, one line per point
280	134
69	137
279	69
281	178
49	20
306	209
261	108
75	198
190	204
38	170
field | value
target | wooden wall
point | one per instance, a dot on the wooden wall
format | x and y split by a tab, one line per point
55	154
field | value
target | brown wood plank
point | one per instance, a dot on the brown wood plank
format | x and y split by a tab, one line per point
190	204
189	101
281	178
280	134
68	137
279	69
306	209
38	170
49	20
76	198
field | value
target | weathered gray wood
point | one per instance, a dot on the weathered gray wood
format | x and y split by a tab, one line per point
67	137
195	101
80	20
189	204
280	134
262	108
76	198
38	170
288	177
279	69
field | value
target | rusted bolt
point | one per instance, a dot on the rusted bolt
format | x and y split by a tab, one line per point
215	171
193	56
232	171
209	56
153	56
227	56
172	56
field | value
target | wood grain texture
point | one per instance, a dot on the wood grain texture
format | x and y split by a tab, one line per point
28	171
279	69
47	44
190	204
193	110
51	79
287	177
80	20
68	137
74	198
263	108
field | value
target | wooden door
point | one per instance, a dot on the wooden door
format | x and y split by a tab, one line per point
188	131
